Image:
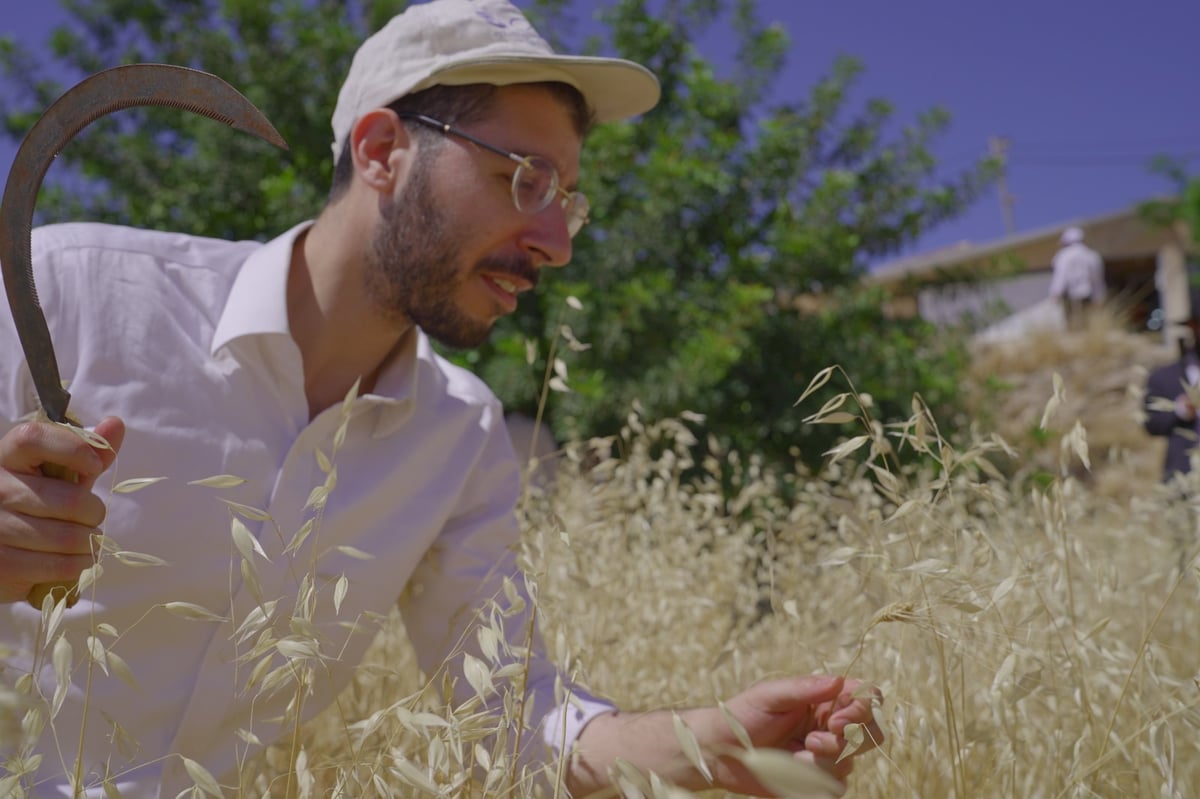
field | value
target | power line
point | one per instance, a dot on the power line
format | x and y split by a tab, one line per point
1110	160
1138	143
1017	156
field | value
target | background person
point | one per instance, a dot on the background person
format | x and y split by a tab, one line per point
1077	280
1169	405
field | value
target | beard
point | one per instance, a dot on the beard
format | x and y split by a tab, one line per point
412	272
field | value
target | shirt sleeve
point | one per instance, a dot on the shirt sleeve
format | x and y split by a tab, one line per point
468	604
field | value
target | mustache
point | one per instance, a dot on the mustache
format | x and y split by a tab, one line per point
516	266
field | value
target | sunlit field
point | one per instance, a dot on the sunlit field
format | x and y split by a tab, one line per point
1029	609
1027	602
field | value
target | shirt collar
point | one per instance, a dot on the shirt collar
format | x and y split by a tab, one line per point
396	389
257	303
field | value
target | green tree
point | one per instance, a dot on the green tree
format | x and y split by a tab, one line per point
160	168
1184	206
712	214
715	212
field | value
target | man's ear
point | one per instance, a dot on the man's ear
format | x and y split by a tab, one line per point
382	149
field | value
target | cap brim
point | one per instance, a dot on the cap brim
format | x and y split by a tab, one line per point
614	88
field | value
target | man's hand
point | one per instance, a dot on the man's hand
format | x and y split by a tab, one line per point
1185	410
46	524
807	717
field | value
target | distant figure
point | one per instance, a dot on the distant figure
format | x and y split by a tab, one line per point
1077	282
1170	409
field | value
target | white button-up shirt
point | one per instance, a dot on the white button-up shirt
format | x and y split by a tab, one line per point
1078	274
188	340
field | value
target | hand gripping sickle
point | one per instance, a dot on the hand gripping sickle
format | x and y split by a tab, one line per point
101	94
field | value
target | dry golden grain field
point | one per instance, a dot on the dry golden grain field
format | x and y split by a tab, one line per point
1029	608
1030	611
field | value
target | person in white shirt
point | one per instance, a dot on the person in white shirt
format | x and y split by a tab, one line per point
1077	278
301	363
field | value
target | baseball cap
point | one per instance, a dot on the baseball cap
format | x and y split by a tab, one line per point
456	42
1072	235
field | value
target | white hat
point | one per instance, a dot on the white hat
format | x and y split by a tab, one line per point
1072	235
455	42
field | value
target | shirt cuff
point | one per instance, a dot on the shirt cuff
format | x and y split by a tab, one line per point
563	724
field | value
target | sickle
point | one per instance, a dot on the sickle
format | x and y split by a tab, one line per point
101	94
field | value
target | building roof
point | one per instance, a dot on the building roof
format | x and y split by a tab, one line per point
1116	236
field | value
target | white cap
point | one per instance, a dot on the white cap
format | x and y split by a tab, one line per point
1072	235
455	42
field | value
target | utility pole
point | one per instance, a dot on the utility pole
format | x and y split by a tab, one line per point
998	149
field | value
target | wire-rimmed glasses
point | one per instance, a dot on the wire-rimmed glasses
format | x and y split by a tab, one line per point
534	183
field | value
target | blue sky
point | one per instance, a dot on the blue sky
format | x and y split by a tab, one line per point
1085	92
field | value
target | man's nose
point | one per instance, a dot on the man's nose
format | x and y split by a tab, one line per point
546	238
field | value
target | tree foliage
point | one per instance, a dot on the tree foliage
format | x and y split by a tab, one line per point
1184	206
713	215
160	168
716	213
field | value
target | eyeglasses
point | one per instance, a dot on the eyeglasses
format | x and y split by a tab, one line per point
534	183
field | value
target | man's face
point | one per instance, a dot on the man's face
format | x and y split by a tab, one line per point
451	252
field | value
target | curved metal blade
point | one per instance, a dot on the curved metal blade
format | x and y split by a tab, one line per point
101	94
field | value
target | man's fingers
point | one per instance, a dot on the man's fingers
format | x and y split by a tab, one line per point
839	771
872	734
51	499
856	705
48	513
29	534
24	569
789	694
112	430
823	744
31	445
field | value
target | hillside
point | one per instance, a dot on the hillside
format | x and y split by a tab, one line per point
1103	371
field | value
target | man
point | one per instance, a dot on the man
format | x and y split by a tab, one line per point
282	368
1170	405
1077	281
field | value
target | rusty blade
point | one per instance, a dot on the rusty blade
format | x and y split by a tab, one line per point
103	93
